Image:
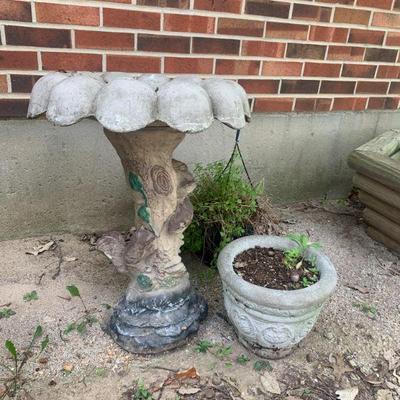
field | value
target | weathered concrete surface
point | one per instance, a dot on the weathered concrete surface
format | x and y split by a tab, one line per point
70	178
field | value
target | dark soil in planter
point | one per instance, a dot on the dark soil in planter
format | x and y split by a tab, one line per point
264	267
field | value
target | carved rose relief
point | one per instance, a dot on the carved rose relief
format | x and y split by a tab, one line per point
162	183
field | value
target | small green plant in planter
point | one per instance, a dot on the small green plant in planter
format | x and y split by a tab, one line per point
223	203
294	259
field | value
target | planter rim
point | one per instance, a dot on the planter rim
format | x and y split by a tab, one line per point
313	295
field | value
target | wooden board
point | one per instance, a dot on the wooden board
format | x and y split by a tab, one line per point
378	167
380	237
382	224
377	190
380	207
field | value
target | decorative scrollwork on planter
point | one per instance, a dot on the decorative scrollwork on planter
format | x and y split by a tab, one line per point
162	183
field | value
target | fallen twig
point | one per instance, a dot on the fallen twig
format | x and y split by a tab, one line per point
60	260
39	280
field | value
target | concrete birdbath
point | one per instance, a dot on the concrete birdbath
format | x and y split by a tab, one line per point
145	119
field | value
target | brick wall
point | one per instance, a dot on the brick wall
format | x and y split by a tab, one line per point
290	55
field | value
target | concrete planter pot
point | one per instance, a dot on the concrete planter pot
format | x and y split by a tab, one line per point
267	321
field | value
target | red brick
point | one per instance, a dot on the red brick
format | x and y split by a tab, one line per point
267	8
67	14
13	108
23	60
260	85
286	31
304	105
312	13
299	86
392	103
104	40
321	69
383	103
300	50
71	61
215	46
358	70
323	104
184	4
393	39
273	105
395	88
345	53
131	19
243	27
349	16
347	2
180	65
328	34
163	44
41	37
237	67
349	103
337	87
133	64
372	87
388	71
366	36
387	4
376	103
310	105
15	10
263	49
231	6
380	55
23	83
188	23
386	20
3	84
120	1
396	5
281	68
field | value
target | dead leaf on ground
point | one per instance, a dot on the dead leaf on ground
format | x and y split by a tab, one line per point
372	379
347	394
384	394
393	387
190	373
339	366
392	359
360	289
68	367
269	384
41	249
69	259
186	391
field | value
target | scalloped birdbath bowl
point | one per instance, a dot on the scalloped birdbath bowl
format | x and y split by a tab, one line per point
145	119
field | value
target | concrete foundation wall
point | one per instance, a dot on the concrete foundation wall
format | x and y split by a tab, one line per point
56	179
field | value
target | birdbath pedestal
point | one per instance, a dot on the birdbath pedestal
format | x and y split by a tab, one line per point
159	308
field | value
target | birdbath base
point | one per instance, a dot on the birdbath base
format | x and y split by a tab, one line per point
158	322
159	309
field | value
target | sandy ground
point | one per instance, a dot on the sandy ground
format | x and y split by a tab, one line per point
349	346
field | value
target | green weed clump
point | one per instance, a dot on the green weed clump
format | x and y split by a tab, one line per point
223	202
